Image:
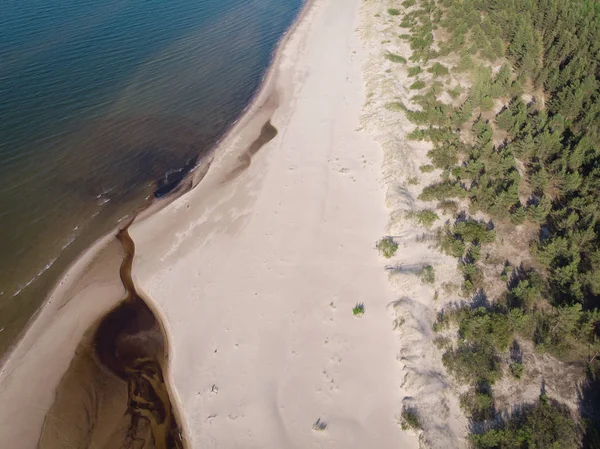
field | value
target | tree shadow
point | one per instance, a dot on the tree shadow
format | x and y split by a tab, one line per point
589	407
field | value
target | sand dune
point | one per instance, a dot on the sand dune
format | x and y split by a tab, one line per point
257	269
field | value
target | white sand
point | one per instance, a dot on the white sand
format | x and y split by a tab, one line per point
256	273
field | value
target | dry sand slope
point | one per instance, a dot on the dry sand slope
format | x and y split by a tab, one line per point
257	269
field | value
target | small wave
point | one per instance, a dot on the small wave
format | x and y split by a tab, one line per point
64	246
33	279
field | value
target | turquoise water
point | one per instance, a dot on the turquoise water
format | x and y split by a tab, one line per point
100	104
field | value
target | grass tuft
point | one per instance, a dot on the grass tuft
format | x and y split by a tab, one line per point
359	309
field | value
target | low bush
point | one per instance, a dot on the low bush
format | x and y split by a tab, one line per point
473	362
427	274
516	369
393	12
410	419
438	69
417	85
395	58
387	247
442	191
478	404
425	217
415	70
545	424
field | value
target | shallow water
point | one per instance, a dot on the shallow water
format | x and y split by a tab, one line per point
101	103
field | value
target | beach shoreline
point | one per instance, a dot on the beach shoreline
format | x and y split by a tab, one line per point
229	238
312	96
21	357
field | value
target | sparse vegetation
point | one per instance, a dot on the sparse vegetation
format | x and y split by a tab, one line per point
415	70
427	274
410	419
358	310
387	247
417	85
393	12
425	217
438	70
544	424
516	369
395	58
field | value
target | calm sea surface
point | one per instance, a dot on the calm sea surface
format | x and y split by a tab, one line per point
100	103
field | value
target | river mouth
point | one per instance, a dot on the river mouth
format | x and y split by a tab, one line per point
114	393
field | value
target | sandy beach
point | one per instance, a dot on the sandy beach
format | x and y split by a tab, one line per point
254	273
257	270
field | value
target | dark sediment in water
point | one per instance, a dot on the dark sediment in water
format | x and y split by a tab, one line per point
114	394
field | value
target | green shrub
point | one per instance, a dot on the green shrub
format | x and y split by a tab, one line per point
396	107
428	168
474	231
417	85
387	247
455	92
451	244
408	3
483	327
410	419
395	58
545	424
442	191
425	217
418	134
438	69
478	404
474	254
444	155
516	369
393	12
427	274
415	70
473	362
473	278
413	181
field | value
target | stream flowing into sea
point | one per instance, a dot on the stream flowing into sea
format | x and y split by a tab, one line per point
104	105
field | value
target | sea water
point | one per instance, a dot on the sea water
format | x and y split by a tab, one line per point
103	102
